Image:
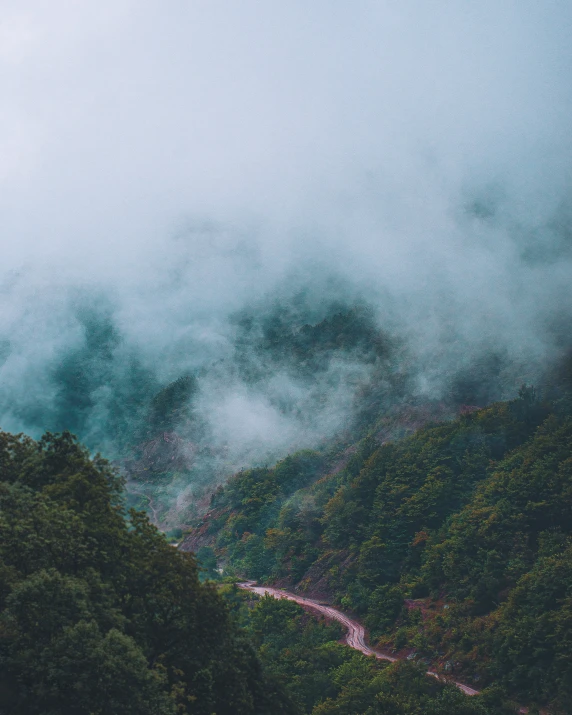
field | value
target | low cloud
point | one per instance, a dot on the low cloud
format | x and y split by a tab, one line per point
164	172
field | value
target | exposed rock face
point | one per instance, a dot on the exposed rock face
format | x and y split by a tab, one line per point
166	452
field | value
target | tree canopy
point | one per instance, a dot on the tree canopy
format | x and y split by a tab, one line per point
453	544
98	614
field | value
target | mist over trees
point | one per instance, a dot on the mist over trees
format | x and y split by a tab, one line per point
452	544
294	374
211	224
301	272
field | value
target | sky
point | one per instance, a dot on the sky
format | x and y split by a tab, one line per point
181	160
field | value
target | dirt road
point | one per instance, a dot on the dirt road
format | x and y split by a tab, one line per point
355	636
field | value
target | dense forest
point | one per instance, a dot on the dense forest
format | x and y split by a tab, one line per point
98	614
322	677
453	544
444	526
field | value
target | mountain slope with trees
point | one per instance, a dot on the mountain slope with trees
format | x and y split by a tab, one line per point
453	544
98	614
324	677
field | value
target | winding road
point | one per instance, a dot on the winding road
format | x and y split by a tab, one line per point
355	636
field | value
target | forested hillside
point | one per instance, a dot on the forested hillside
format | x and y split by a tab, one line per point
98	614
323	374
454	544
300	272
323	677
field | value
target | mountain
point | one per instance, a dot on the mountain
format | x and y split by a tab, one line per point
453	544
441	523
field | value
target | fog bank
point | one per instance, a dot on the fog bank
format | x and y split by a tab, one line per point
165	170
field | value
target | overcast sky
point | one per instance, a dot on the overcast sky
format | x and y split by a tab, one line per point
121	120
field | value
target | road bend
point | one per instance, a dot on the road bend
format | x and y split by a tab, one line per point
355	635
